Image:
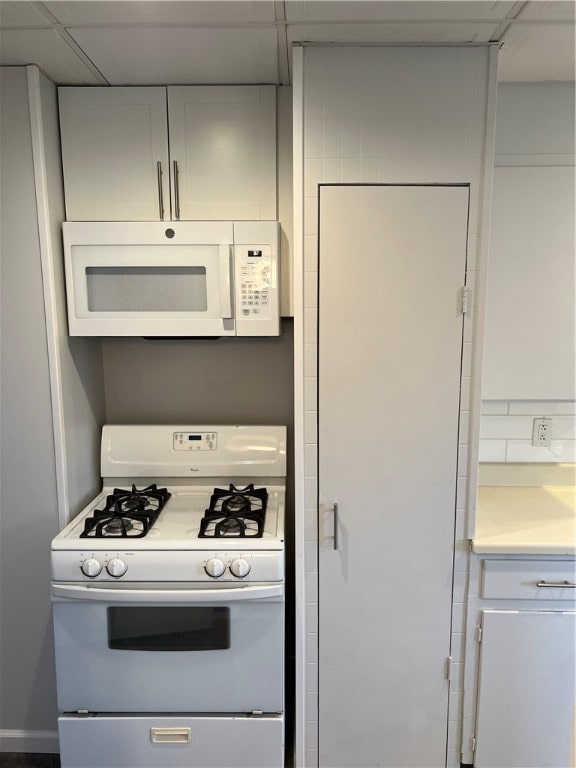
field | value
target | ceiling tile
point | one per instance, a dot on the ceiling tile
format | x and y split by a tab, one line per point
46	49
22	14
162	12
382	10
183	55
537	52
391	33
555	10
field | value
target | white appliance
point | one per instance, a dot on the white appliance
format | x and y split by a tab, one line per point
168	602
201	278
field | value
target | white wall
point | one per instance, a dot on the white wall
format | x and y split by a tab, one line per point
535	129
28	488
390	115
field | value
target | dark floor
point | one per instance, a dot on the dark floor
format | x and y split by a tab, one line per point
17	760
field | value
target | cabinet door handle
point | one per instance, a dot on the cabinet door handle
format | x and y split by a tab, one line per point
556	584
160	193
335	526
176	191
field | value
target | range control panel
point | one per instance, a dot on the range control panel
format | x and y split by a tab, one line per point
195	441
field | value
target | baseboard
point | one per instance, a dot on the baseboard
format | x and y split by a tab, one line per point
43	742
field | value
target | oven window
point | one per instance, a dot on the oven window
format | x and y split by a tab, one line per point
168	628
146	289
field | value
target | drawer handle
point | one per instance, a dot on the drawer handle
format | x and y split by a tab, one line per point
170	735
563	584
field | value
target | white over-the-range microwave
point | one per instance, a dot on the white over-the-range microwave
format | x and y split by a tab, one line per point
170	279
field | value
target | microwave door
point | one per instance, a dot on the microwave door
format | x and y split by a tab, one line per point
150	290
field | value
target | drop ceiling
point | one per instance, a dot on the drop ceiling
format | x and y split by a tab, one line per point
83	42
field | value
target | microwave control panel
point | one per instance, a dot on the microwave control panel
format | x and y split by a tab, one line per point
255	282
195	441
256	279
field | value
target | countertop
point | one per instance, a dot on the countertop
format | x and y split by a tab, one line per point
536	520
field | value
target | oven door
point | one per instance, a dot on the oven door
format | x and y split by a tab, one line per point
169	650
149	289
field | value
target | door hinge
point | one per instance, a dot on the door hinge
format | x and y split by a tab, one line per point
473	743
448	667
479	634
466	296
256	713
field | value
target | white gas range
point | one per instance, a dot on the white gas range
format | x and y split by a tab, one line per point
168	593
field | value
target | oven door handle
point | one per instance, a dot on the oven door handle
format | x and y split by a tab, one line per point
112	595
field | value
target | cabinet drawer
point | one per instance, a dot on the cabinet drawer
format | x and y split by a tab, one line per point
528	580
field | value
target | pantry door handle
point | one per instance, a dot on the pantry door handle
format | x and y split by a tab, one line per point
176	191
556	584
335	526
160	193
170	735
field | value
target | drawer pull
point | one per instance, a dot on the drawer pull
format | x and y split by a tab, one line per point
170	735
556	584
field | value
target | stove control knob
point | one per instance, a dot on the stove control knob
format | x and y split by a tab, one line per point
90	567
240	567
116	567
214	567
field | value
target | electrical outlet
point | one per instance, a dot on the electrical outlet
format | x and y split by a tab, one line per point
541	433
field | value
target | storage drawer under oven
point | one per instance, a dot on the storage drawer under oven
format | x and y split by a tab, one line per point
135	741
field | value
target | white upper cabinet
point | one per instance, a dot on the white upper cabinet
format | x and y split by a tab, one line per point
223	152
191	152
115	153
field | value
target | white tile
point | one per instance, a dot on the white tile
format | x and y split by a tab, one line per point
311	758
458	617
312	616
313	175
462	458
472	252
457	647
311	684
524	451
313	138
368	170
465	393
467	348
332	141
332	171
310	215
311	734
457	681
310	290
494	406
461	485
469	325
461	556
312	646
311	253
544	408
310	326
460	585
461	518
455	702
502	427
310	460
492	450
311	706
464	427
310	359
453	758
310	492
311	427
310	394
350	169
311	581
311	525
455	733
563	428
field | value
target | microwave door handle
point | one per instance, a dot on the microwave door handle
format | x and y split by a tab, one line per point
188	596
225	281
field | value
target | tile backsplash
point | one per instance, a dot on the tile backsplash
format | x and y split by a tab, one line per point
506	431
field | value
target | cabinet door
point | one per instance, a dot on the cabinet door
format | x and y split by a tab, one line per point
525	716
223	151
115	153
392	261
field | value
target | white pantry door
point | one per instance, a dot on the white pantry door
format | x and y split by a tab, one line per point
392	267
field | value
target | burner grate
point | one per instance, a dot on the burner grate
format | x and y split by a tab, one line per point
127	513
235	513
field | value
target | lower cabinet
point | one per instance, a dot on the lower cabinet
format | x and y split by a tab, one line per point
524	663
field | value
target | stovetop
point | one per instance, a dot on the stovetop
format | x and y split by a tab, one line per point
177	526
